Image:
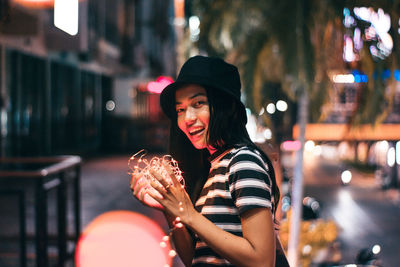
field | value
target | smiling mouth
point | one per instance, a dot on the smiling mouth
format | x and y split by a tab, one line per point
196	132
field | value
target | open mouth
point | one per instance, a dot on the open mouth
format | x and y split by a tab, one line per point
196	132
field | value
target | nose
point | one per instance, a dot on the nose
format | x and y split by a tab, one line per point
190	115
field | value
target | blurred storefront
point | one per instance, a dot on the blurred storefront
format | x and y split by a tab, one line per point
57	89
376	146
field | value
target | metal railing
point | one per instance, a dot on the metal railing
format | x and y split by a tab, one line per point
43	174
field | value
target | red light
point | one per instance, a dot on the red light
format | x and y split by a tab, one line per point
122	238
159	85
291	145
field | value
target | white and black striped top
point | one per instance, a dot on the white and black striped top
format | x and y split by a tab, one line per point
238	181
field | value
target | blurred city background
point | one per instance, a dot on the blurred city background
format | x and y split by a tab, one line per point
79	94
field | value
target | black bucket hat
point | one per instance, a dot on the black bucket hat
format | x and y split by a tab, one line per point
210	72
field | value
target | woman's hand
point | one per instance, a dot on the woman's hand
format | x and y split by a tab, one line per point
172	196
140	188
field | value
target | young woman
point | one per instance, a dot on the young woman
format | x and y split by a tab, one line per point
228	205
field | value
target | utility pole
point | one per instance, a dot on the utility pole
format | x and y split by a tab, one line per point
297	185
179	24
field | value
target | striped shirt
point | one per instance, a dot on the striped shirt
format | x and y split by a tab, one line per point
238	181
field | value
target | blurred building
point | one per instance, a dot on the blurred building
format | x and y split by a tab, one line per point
375	145
85	93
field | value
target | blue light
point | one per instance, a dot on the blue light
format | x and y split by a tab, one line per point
386	74
359	77
346	12
397	75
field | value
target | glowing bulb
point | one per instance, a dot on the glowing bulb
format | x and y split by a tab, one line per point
346	176
172	253
271	108
306	249
376	249
391	157
110	105
267	133
309	145
194	23
281	105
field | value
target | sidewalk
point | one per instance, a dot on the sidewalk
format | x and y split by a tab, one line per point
364	180
105	187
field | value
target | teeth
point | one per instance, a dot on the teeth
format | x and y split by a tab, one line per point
195	131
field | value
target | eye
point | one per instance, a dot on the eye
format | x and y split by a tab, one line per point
199	103
179	111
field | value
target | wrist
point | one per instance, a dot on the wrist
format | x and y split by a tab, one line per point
190	218
170	218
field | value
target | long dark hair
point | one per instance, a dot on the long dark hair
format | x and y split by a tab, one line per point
227	129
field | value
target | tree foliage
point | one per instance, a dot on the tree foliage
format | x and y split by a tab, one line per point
272	42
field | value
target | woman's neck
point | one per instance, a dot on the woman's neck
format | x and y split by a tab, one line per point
211	150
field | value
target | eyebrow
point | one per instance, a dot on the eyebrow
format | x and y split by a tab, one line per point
193	96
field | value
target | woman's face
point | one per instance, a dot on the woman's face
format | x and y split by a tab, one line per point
193	114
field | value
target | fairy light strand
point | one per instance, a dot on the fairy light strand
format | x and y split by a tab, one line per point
139	165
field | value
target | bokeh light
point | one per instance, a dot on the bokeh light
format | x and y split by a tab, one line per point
122	238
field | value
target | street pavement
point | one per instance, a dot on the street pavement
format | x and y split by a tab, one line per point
365	214
105	187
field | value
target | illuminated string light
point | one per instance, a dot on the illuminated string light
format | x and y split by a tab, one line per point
139	165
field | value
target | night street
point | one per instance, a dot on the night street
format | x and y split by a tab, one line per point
366	215
86	84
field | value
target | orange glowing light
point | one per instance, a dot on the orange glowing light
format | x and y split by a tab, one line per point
122	238
179	8
36	3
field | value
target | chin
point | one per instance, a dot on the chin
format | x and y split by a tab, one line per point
199	146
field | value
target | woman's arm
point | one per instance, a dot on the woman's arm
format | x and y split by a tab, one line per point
183	241
255	248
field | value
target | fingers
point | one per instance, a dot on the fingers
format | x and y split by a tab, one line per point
163	190
133	181
137	183
141	193
160	178
171	174
159	193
